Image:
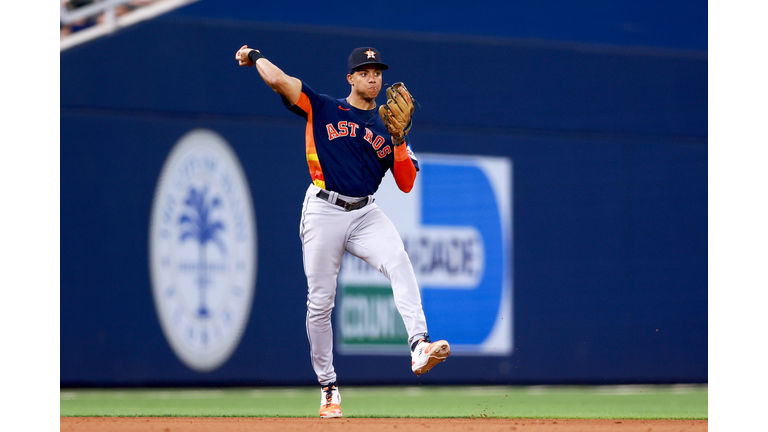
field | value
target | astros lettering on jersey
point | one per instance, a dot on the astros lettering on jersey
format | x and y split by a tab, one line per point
338	140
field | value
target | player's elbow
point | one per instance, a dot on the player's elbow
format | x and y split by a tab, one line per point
276	82
286	86
404	185
281	83
405	174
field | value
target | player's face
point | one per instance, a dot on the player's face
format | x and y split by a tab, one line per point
366	82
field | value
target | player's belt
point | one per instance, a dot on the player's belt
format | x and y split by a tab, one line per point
346	205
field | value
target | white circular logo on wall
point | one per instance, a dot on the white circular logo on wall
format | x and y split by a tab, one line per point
202	250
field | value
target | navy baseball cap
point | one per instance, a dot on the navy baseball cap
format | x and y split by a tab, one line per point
365	56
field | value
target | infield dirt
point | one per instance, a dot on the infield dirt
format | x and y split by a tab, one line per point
237	424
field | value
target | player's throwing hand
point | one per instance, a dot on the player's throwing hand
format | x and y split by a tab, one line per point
242	56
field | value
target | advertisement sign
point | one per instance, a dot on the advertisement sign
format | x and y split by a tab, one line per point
203	250
456	225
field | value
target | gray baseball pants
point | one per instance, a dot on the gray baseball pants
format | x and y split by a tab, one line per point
326	231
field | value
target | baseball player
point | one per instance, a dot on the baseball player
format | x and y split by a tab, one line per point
350	144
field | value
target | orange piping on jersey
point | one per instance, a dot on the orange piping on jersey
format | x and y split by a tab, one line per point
312	160
403	169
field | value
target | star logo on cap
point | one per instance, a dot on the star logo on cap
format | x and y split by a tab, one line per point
371	54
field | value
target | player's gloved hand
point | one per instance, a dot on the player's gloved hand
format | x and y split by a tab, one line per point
396	113
242	56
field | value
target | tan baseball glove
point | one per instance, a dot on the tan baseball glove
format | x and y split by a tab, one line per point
396	113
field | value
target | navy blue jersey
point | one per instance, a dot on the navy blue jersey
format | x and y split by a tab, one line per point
345	153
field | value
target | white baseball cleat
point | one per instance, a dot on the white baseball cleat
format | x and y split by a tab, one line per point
427	354
330	401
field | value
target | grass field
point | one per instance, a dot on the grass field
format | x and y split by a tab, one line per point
554	402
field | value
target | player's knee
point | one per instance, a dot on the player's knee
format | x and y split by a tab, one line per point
402	273
396	260
320	301
319	304
319	313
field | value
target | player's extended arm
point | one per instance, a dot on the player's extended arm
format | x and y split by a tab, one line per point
282	83
403	170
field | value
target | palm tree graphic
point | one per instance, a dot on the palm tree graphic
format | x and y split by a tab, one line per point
196	223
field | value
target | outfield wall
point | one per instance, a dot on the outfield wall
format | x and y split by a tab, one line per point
604	259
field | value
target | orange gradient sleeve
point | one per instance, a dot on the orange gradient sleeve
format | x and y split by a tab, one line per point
403	170
315	170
